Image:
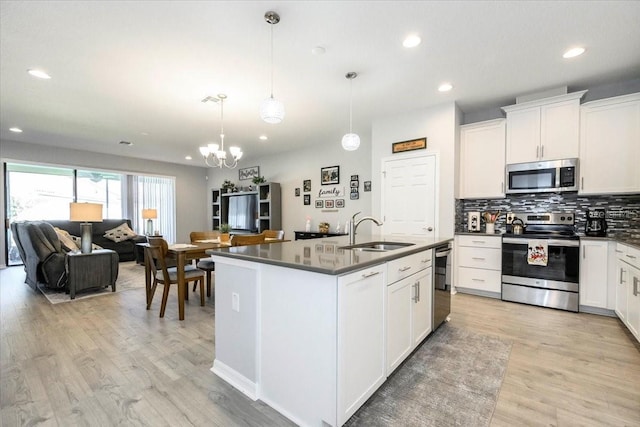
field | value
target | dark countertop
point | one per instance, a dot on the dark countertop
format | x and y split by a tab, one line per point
327	256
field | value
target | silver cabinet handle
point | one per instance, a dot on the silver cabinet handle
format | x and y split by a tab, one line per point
621	274
537	152
404	269
583	252
477	280
373	273
635	286
630	256
415	292
542	151
502	187
582	183
478	258
479	241
424	261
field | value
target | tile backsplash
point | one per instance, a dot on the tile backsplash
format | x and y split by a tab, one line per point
623	211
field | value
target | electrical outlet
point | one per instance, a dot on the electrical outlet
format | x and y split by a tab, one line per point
510	217
235	302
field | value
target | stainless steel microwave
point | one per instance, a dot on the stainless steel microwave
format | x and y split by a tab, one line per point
540	177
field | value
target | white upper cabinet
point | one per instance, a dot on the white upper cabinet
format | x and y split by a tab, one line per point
482	160
610	145
544	129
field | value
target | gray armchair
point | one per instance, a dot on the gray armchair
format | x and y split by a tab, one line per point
46	263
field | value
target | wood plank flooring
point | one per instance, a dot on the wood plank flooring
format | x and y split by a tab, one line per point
107	361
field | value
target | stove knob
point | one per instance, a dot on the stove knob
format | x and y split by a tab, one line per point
562	218
569	218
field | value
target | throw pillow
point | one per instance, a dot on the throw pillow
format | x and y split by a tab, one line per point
66	240
120	233
78	241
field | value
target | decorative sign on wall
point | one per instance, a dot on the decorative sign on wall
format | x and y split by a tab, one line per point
414	144
331	192
248	173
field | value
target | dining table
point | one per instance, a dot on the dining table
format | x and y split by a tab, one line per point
182	253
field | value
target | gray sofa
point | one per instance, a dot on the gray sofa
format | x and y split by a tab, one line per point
126	249
47	265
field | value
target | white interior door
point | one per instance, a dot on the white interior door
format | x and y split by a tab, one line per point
409	196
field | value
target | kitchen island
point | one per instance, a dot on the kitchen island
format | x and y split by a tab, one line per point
312	328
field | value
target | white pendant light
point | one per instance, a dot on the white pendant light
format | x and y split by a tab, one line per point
272	110
351	141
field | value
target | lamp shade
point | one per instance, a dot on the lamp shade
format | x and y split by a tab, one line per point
149	213
272	110
351	142
85	212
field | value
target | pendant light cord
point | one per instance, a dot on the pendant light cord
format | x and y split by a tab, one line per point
351	106
222	124
271	60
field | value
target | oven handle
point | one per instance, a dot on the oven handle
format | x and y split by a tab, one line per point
550	242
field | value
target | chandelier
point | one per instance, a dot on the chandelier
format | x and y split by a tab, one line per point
218	158
351	141
272	110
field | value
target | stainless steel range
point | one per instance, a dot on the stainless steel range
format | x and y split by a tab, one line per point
541	265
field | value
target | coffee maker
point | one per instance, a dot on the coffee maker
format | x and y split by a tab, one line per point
596	223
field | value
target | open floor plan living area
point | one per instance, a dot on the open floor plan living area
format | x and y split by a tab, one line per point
320	213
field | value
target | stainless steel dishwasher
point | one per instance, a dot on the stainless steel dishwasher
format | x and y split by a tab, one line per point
441	284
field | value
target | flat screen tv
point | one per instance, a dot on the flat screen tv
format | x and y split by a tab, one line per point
243	212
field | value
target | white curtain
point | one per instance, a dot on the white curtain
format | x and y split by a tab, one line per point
154	192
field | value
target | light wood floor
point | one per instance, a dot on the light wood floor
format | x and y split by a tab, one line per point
107	361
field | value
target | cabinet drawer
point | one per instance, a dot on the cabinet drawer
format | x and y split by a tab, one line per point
476	278
490	259
406	266
628	254
480	241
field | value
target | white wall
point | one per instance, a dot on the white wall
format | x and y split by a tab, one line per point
191	184
438	124
291	168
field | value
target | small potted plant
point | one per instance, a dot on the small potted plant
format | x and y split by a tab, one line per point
258	180
323	227
228	186
224	232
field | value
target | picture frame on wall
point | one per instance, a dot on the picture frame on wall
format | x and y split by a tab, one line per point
354	177
307	199
330	175
367	186
248	173
339	203
328	204
355	195
355	184
306	185
298	192
320	203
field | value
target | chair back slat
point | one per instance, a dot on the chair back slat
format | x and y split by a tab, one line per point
204	235
247	239
158	249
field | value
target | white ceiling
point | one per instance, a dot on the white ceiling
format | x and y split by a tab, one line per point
137	70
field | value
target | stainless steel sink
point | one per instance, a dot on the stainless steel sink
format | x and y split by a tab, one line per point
378	246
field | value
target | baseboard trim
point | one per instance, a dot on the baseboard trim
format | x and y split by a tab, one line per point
597	310
488	294
233	377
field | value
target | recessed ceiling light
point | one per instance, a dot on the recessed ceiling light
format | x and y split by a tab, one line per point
445	87
411	41
187	157
16	130
572	53
144	133
318	50
263	137
127	143
39	74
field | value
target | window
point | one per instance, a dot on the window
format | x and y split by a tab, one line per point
154	192
101	187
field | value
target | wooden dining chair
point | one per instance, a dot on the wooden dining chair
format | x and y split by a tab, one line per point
205	265
274	234
155	255
247	239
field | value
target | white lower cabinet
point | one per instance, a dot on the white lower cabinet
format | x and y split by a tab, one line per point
361	337
479	264
593	274
628	287
409	311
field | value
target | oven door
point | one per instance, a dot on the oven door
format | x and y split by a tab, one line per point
562	265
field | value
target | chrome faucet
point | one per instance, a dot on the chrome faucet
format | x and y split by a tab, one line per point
353	226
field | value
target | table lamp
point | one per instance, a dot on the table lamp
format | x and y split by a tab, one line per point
85	213
149	215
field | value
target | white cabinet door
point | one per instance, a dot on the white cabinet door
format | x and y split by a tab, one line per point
409	202
482	160
633	302
399	340
523	135
610	146
593	273
559	130
421	316
361	338
622	276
